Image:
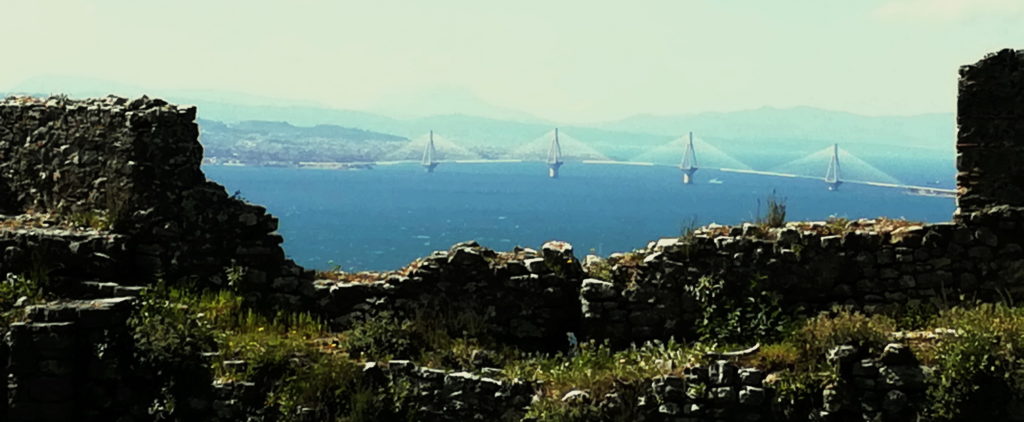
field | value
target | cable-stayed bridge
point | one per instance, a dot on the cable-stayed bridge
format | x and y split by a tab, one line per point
833	165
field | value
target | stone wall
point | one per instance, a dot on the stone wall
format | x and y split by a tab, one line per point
440	395
873	266
990	135
527	298
58	254
806	269
69	361
136	164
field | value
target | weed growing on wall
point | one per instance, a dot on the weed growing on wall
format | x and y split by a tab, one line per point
836	225
737	314
601	270
12	289
91	219
774	211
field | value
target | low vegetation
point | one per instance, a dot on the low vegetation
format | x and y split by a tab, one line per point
305	370
15	291
596	370
737	312
291	356
981	366
774	211
92	219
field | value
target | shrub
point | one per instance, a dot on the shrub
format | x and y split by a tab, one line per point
775	211
12	289
823	332
836	225
92	219
442	336
981	368
688	228
734	314
798	392
776	356
802	370
170	338
383	336
174	328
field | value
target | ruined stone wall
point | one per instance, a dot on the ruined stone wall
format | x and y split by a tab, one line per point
69	361
57	255
990	135
527	298
136	164
650	294
807	271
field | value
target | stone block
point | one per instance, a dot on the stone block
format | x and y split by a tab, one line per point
598	290
722	372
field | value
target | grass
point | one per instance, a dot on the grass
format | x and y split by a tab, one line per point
286	355
597	369
91	219
301	364
980	367
601	270
798	362
836	225
819	334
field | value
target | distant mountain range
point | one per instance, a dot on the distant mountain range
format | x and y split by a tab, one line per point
255	130
258	142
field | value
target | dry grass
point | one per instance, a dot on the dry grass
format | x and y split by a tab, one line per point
360	277
34	220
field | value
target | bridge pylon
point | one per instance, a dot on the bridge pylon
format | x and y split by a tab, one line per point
554	160
429	152
832	173
689	163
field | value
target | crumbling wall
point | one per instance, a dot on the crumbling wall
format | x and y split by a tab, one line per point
56	255
806	270
527	298
651	293
990	133
68	361
136	164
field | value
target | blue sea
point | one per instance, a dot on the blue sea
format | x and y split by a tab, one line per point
383	218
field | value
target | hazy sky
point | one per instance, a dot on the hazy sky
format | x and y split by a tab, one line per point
579	60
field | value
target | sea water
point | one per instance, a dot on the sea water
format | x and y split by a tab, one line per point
383	218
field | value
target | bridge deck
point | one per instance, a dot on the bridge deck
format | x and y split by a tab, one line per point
924	190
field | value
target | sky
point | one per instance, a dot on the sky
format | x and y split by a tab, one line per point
570	60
